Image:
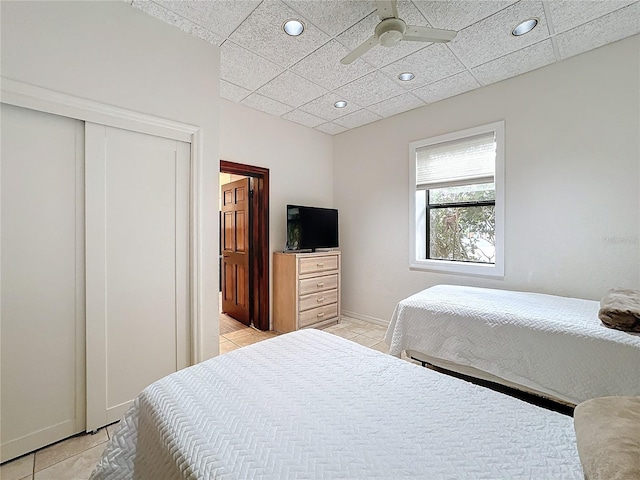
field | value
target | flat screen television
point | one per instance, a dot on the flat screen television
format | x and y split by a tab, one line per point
310	228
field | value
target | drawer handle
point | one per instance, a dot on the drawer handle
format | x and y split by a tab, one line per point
321	314
320	300
320	284
320	265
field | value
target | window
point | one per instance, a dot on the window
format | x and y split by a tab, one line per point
457	202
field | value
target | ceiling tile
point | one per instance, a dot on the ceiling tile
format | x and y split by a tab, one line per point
454	85
430	64
331	128
244	68
262	33
323	106
610	28
459	14
399	104
356	119
379	55
233	92
516	63
491	38
303	118
333	16
171	18
291	89
567	14
370	89
266	104
324	68
220	16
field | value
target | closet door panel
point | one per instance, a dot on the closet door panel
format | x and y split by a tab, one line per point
138	281
42	326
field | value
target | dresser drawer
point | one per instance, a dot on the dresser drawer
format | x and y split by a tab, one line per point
317	264
315	315
318	299
317	284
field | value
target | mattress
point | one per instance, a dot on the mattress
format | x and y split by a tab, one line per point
549	344
311	405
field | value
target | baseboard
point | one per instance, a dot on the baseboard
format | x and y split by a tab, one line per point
365	318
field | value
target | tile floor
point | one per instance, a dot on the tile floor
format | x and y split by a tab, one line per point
75	457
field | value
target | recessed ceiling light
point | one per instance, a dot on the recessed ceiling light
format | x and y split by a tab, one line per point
340	104
293	27
406	76
524	27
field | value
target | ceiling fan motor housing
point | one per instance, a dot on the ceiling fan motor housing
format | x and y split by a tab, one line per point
390	31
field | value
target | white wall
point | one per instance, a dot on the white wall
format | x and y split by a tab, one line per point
572	183
299	159
112	53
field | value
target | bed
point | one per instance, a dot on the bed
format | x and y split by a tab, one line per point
549	345
311	405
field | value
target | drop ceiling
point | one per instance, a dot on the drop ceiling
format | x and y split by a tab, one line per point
300	78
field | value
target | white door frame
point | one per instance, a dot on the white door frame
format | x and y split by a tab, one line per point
20	94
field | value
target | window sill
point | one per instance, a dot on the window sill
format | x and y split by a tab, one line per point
459	268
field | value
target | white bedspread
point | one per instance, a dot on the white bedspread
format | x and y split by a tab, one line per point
552	344
311	405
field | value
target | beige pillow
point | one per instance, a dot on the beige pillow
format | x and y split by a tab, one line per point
608	437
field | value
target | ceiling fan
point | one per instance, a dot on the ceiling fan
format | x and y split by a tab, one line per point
392	30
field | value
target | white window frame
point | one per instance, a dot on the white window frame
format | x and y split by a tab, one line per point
450	266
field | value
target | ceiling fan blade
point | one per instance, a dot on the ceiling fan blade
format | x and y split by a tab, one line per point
360	50
387	9
426	34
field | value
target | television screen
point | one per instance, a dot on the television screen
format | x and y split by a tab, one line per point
309	228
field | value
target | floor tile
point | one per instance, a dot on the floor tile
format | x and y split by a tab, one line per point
17	469
366	341
348	334
228	347
381	347
239	333
78	467
248	339
334	328
374	333
359	329
68	448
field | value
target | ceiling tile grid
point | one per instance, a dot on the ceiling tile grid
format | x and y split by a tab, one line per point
262	33
515	63
301	78
601	31
393	106
291	89
357	119
265	104
323	106
429	65
372	88
448	87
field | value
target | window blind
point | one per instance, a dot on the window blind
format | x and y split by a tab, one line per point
459	162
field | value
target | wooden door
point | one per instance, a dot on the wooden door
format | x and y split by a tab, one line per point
234	232
42	276
137	257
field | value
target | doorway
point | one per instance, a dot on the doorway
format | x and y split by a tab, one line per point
255	276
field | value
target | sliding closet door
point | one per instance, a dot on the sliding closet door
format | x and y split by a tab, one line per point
137	229
42	285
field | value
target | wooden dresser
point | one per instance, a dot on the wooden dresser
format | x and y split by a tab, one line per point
306	290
